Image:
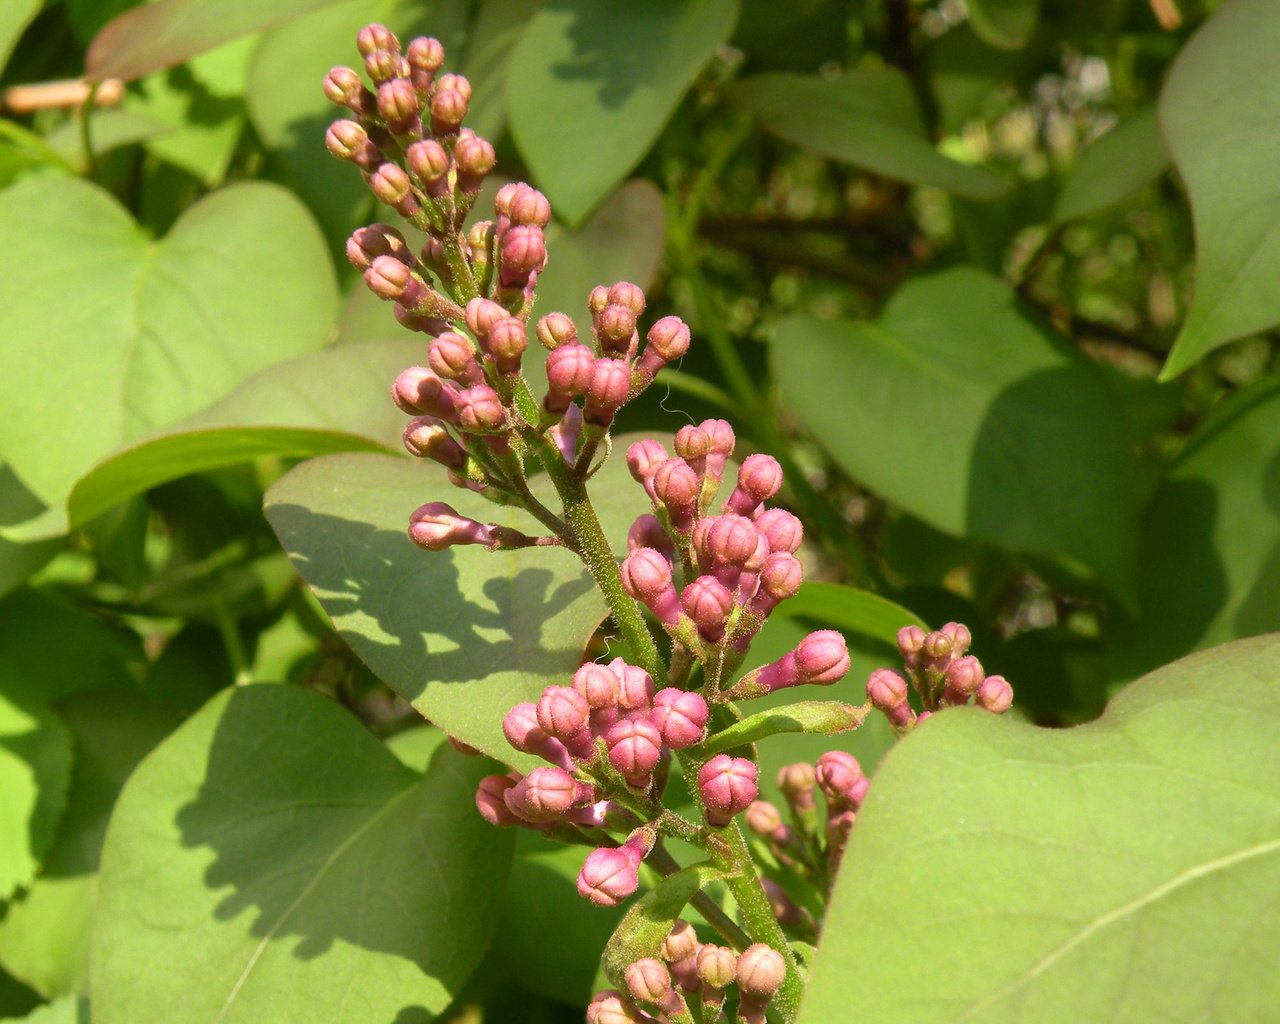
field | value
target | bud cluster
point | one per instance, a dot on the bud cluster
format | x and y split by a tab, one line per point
941	673
692	977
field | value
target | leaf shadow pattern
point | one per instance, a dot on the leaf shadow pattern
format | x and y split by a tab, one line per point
612	46
453	616
341	851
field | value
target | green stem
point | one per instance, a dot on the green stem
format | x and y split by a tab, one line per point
663	862
594	549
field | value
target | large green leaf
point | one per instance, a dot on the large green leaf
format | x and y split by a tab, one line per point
150	332
1210	563
858	611
272	860
1219	109
1127	870
44	934
591	85
1004	23
335	400
965	411
1113	167
868	118
158	35
35	771
14	18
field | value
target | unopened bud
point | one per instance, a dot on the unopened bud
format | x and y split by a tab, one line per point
506	344
708	603
391	185
546	794
963	678
841	779
643	459
647	578
887	691
796	781
911	645
635	746
680	716
451	356
563	712
727	785
428	438
425	54
524	252
636	689
480	410
763	819
346	140
647	532
398	103
615	326
759	479
680	944
428	161
474	158
569	369
717	966
556	329
676	486
490	803
343	87
420	392
436	526
448	109
608	876
529	207
610	1007
384	65
995	694
607	390
376	37
780	579
368	243
761	971
597	684
781	529
520	727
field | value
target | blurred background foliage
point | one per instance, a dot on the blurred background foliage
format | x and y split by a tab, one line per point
994	279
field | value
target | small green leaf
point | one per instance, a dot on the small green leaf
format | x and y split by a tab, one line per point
1209	570
462	634
1113	167
159	35
851	609
1218	111
966	412
44	934
272	860
35	771
1007	24
649	919
821	717
868	118
241	281
335	400
591	85
1127	870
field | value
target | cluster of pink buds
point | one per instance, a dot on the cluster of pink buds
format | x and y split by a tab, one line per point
692	977
941	673
807	844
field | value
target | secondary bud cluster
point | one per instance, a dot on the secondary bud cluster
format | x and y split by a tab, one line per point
942	674
691	977
735	565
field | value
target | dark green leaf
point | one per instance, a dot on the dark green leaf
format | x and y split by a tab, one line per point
1127	870
241	281
969	414
273	860
851	609
591	85
1218	111
35	771
867	118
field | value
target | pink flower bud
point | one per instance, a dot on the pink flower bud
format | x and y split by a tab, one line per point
506	344
692	444
669	338
384	65
911	644
436	526
481	315
995	694
887	691
480	410
398	102
963	677
722	443
635	746
392	281
680	716
520	727
610	1007
821	658
781	529
428	162
343	87
761	971
556	329
717	966
841	780
346	140
727	785
563	712
546	794
609	875
529	207
648	980
646	577
418	391
680	943
568	374
708	603
959	635
376	37
647	532
524	252
451	356
676	486
598	685
448	108
474	158
643	459
424	54
759	479
607	390
796	781
780	579
390	184
636	690
937	648
490	803
726	541
615	325
427	438
598	299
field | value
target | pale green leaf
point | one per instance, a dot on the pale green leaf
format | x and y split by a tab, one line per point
1220	111
272	860
1128	157
591	85
15	15
1126	871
